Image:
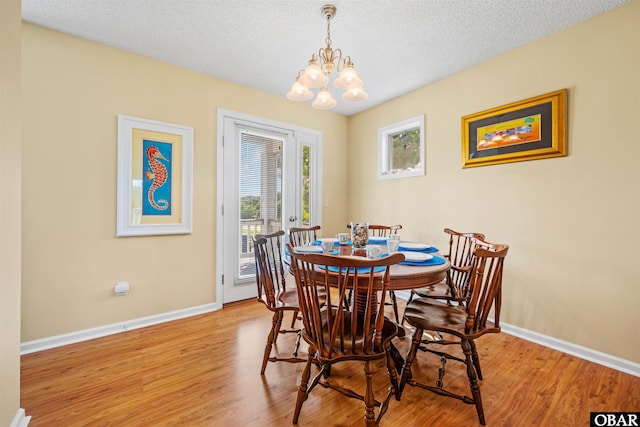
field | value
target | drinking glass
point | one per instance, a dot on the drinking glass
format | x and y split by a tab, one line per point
393	245
327	246
343	238
373	251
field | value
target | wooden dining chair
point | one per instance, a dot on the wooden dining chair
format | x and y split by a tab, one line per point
461	325
303	236
273	293
385	231
382	230
460	256
335	333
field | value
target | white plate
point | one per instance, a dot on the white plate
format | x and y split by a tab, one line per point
416	256
415	246
327	239
308	249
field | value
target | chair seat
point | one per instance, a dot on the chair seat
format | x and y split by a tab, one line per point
433	315
285	300
437	290
389	331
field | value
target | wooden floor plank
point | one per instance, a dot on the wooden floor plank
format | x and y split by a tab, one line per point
205	371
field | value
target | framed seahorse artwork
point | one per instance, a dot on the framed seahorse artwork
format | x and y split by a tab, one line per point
155	177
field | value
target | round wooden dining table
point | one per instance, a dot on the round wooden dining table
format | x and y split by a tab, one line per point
404	277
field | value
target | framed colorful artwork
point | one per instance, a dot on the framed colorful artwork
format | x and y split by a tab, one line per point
155	178
533	128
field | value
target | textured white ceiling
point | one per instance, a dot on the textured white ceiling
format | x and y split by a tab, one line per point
396	45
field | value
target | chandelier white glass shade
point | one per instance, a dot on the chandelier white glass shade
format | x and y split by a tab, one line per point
320	67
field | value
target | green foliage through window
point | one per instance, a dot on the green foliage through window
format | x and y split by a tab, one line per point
405	149
401	149
306	185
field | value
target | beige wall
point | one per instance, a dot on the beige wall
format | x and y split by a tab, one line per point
10	163
72	92
572	223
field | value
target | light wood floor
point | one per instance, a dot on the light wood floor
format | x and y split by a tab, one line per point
205	371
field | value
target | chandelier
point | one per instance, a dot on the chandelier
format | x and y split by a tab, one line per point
320	67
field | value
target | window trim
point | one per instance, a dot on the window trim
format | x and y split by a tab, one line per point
383	147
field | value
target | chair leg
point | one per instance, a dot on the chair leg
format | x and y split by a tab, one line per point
411	356
302	389
411	295
473	381
476	359
392	295
276	321
297	344
369	398
441	371
293	319
391	371
347	299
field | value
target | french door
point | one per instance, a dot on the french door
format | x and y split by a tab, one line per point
269	179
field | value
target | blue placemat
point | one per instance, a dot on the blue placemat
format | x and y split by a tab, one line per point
436	260
377	240
424	251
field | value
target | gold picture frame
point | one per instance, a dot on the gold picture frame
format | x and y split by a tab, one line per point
531	129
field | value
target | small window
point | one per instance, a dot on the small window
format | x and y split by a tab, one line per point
401	149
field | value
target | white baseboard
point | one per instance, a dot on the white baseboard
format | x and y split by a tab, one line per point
89	334
20	420
600	358
604	359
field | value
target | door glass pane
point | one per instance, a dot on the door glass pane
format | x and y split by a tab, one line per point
306	185
260	195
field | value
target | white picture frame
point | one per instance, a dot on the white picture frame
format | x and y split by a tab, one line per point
155	177
390	137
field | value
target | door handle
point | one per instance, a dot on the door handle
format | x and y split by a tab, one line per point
293	218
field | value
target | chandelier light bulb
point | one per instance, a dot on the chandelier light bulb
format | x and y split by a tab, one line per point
313	76
355	95
348	78
324	100
299	92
